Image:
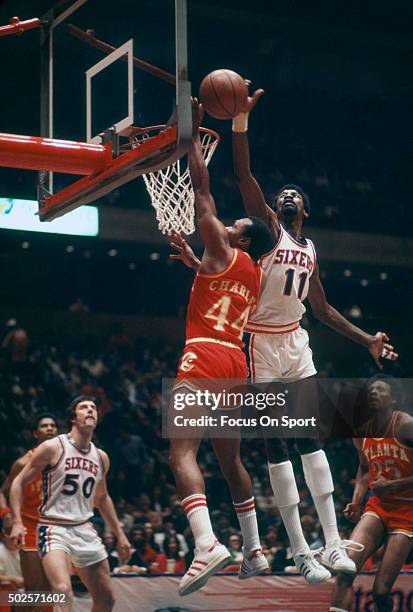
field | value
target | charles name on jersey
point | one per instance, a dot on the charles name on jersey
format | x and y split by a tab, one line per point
385	449
293	257
233	286
81	463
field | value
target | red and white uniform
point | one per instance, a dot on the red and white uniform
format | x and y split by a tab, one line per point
218	310
389	458
32	498
279	348
68	500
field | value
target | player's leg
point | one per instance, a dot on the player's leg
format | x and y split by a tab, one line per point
287	499
34	577
396	550
190	487
317	474
97	580
370	532
210	555
56	564
227	451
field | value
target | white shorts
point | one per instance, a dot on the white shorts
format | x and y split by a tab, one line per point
281	357
81	543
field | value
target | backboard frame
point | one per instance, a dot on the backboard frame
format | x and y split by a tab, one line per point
51	206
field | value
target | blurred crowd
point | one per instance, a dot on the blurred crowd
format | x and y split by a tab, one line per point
126	377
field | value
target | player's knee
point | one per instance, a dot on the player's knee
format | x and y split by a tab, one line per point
176	459
277	451
65	588
231	469
307	445
382	598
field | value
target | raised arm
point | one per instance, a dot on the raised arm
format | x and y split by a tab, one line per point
105	505
251	193
377	345
218	251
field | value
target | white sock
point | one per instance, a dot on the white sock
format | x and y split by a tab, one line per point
196	511
327	514
318	478
249	527
287	498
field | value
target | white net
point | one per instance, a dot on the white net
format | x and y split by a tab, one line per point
171	191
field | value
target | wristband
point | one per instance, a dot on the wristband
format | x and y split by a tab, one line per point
240	122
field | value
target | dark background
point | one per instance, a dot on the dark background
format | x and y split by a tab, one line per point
335	118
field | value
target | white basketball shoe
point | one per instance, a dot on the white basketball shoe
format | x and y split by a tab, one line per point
205	564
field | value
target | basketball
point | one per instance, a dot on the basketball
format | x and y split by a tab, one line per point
223	94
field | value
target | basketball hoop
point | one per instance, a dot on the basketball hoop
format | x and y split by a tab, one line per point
170	189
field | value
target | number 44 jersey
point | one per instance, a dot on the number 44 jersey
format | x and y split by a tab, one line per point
287	270
69	485
220	304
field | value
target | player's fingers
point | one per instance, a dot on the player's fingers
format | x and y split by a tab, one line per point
247	82
257	95
378	364
178	247
172	256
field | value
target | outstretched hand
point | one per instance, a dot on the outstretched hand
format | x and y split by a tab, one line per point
197	115
380	348
252	100
185	253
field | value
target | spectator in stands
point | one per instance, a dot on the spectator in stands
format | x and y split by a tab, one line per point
172	561
142	552
15	342
129	451
110	545
235	548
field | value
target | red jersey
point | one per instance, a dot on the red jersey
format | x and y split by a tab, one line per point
390	458
220	304
32	497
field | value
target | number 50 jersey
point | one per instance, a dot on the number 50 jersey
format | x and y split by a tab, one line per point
286	273
69	485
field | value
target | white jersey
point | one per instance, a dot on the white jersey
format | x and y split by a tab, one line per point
286	273
69	485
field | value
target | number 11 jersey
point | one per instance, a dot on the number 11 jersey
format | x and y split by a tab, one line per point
69	485
286	273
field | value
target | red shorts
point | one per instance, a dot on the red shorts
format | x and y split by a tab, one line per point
30	543
212	360
396	516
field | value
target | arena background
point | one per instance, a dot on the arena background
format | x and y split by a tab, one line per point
106	314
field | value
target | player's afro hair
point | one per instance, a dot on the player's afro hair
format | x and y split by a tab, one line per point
302	193
261	238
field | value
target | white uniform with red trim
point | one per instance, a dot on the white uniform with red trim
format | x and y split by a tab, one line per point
69	488
279	347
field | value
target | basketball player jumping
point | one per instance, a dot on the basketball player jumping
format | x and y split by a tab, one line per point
74	481
32	570
279	350
225	290
386	466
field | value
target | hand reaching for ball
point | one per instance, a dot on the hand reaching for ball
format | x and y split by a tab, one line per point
252	100
197	115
